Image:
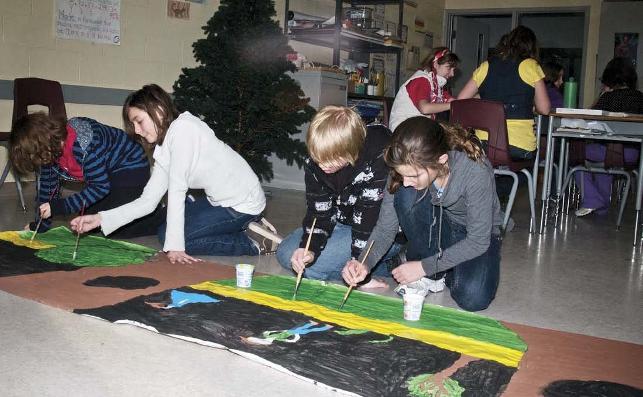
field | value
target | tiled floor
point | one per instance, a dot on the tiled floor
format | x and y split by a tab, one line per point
583	277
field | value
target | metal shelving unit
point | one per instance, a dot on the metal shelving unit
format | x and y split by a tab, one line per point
349	40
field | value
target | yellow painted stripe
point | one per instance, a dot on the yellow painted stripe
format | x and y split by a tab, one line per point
14	237
445	340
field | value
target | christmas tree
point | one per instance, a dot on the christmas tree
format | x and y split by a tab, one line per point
241	88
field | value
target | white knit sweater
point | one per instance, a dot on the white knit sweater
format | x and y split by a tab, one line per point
191	157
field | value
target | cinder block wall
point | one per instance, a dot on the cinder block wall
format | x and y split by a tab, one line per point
153	48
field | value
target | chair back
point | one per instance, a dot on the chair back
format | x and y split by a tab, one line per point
488	116
34	91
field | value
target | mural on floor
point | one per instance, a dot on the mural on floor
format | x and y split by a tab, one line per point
54	251
365	349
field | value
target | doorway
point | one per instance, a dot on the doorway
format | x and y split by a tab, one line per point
562	36
473	37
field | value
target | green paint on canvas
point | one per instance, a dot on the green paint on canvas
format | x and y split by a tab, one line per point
92	250
424	386
385	308
352	332
387	340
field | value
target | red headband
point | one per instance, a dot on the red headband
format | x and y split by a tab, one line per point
440	54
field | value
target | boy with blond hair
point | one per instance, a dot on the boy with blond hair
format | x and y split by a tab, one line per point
345	178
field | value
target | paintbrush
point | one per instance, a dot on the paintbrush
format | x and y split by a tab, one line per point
33	236
350	288
301	273
80	227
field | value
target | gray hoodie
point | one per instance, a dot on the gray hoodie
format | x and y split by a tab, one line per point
469	199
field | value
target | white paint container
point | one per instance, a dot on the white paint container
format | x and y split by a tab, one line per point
413	304
244	275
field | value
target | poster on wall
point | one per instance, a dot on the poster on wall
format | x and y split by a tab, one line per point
626	45
178	9
98	21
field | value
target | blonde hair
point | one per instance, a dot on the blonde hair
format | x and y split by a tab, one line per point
336	133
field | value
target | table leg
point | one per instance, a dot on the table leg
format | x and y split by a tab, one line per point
549	160
639	188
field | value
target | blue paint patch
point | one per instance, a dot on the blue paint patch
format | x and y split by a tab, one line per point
180	299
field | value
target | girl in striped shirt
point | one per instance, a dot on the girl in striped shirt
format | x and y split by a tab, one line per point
112	167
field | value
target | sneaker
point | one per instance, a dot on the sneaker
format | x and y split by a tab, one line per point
584	211
264	236
421	287
435	285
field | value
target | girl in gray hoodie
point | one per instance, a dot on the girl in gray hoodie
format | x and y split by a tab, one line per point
442	194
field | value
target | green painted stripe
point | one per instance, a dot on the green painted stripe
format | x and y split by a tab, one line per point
384	308
92	250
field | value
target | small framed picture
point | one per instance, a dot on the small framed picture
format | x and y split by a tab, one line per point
405	33
178	9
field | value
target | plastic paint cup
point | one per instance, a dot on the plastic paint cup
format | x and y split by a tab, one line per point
413	305
244	275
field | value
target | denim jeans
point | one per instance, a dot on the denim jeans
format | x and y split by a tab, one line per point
332	259
473	283
211	230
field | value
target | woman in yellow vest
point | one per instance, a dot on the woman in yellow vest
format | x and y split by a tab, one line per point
513	76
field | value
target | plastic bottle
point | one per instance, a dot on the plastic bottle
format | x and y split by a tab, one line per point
570	93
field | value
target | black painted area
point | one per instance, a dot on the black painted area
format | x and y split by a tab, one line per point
16	260
348	362
483	378
122	282
580	388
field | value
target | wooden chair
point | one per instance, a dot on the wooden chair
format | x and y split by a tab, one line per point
26	92
490	116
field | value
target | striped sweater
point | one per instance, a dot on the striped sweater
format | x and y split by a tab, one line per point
101	151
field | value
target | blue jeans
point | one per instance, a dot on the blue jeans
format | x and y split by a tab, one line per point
332	259
473	283
213	230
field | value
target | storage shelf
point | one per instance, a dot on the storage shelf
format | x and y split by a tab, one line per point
340	39
350	40
370	2
354	95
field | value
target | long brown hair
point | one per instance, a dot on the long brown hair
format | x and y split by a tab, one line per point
36	140
420	141
157	103
517	45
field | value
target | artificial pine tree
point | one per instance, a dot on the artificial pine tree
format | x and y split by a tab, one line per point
241	88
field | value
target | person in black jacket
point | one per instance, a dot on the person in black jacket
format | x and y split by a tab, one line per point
345	178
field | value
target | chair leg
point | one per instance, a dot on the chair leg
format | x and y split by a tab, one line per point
512	195
19	189
532	200
623	202
5	173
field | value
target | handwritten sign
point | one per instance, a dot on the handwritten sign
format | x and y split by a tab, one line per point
98	21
